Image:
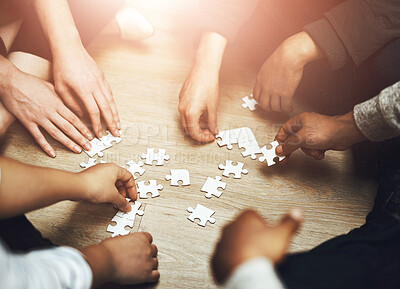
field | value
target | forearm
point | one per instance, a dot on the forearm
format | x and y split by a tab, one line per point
58	25
210	53
24	188
7	69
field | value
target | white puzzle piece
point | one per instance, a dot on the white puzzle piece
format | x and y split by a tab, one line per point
178	175
119	228
211	187
235	136
230	168
133	212
97	148
251	149
202	213
249	102
151	156
152	188
135	168
270	155
90	163
109	138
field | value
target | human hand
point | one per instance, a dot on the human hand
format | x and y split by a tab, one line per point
198	103
108	183
248	237
130	259
78	79
315	134
198	99
35	104
279	77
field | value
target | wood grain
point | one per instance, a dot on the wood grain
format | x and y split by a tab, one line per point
146	79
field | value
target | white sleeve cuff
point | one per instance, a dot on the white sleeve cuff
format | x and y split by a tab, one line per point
257	273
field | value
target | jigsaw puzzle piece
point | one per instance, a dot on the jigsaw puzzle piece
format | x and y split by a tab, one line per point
152	188
251	149
109	138
90	163
230	168
178	175
249	102
211	187
119	228
97	148
135	168
132	213
269	155
160	157
202	213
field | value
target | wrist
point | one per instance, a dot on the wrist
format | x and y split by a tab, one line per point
348	128
67	46
100	262
7	74
303	48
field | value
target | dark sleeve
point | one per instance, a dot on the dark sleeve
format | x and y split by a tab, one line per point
356	29
226	16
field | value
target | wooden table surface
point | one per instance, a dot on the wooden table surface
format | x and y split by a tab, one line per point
146	79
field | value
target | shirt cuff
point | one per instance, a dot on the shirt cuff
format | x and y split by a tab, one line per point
370	119
325	37
257	273
220	25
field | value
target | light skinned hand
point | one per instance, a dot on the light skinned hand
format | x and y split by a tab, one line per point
36	105
315	134
279	77
130	259
79	81
198	104
248	237
108	183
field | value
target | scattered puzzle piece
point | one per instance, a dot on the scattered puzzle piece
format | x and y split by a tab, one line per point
235	136
135	168
119	228
151	156
251	149
89	164
202	213
270	155
211	187
179	175
249	102
109	138
132	214
230	168
97	148
152	188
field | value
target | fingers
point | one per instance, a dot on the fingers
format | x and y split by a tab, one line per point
121	203
125	176
71	131
194	129
59	136
41	140
275	103
105	87
291	144
154	250
94	114
76	122
291	222
315	153
106	112
69	100
154	276
147	236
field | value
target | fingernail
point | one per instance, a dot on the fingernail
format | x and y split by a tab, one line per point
128	207
296	214
117	132
89	136
279	150
119	125
100	134
216	131
77	149
87	146
52	154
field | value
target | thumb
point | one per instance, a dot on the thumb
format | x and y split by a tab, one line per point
292	143
121	203
212	120
291	222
